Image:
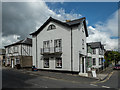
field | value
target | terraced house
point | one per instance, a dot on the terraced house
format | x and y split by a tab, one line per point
19	53
61	45
95	55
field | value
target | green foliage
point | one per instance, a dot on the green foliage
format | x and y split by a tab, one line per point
111	56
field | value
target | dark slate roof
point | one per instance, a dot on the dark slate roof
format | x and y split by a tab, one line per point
2	51
95	45
66	24
26	41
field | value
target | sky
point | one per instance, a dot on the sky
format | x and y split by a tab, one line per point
19	19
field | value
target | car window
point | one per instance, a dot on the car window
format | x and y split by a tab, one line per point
117	65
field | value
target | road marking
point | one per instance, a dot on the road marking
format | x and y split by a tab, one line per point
105	87
105	79
108	77
93	85
31	74
34	83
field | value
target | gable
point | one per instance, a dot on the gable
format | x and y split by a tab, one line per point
66	24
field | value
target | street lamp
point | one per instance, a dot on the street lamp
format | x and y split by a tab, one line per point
114	58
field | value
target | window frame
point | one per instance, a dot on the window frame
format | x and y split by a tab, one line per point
94	50
99	61
9	50
51	26
14	48
94	61
58	60
57	43
48	44
44	62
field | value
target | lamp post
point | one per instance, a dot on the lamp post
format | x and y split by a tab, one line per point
114	58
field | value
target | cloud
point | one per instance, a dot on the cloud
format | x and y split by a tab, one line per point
103	31
23	18
19	19
9	39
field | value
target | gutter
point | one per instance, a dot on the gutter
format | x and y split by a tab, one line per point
36	52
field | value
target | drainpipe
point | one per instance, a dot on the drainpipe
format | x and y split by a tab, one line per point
21	56
71	52
36	52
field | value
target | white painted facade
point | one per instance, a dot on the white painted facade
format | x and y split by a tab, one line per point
24	50
15	53
63	33
98	58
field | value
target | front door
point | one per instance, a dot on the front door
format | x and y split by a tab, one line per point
82	64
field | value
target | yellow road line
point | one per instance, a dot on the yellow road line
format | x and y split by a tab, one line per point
105	79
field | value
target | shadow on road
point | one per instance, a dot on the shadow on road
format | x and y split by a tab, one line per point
14	79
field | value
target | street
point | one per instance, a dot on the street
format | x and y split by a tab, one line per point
112	82
12	78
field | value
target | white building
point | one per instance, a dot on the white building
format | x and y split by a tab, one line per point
95	51
61	46
19	53
2	57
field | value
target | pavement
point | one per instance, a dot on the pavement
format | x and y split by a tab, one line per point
105	73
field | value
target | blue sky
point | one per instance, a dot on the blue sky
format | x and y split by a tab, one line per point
102	18
93	11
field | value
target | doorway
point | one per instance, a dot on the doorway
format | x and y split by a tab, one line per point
82	64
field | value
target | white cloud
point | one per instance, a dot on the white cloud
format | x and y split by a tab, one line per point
9	39
103	32
110	26
26	17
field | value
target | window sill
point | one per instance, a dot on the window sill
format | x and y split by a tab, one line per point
46	67
58	67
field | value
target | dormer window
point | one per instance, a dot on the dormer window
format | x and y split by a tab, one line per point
51	27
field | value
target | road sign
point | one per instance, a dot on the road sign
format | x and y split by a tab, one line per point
103	60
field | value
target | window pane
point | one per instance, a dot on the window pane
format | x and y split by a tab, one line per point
59	62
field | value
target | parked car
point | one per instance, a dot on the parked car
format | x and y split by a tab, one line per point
116	67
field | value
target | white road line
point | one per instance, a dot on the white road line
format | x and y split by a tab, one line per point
93	85
105	87
31	74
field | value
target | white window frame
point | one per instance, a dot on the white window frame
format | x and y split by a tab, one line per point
58	62
50	27
15	49
46	62
99	61
46	44
58	43
94	51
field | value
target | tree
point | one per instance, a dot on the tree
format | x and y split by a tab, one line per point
111	57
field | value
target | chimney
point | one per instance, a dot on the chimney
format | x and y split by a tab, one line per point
68	20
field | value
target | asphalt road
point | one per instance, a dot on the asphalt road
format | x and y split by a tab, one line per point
111	82
16	79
